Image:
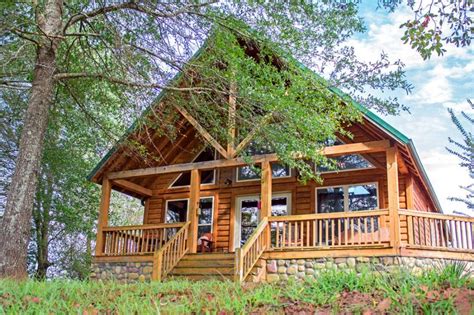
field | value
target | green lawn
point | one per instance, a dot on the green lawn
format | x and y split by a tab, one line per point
440	292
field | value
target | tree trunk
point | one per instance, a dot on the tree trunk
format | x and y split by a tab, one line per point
42	219
16	222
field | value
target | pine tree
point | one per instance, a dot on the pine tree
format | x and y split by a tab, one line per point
464	150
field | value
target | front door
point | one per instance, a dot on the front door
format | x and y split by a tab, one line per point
247	214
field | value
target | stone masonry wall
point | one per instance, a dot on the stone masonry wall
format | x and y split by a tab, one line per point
283	269
123	272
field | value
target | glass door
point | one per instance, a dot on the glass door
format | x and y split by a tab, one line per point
248	214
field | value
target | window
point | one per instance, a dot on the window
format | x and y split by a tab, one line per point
345	162
206	214
245	173
207	176
355	197
248	215
177	211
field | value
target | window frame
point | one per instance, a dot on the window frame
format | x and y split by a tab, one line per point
188	186
349	170
237	180
187	209
238	214
345	189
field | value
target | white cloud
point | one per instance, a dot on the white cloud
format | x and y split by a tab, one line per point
436	90
460	106
386	36
441	82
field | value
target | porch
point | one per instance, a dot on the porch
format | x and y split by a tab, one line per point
376	232
361	233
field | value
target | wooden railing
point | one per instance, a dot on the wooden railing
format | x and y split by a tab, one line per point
166	258
357	228
438	231
249	254
137	240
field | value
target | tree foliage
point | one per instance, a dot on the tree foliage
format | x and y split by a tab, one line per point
84	68
435	24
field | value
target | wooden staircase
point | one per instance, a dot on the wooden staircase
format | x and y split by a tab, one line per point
205	266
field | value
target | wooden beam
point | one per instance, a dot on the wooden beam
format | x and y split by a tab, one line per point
409	193
393	196
266	190
193	209
353	148
103	215
357	148
177	168
266	197
245	142
401	164
231	120
206	135
125	184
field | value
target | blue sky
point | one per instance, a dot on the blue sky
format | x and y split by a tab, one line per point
439	83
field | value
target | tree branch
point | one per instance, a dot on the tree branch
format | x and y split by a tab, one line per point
132	6
99	76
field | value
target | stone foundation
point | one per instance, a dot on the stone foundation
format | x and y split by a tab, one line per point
283	269
124	272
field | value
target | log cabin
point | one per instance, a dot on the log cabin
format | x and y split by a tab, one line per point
208	213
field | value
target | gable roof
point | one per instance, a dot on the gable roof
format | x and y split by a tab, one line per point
392	132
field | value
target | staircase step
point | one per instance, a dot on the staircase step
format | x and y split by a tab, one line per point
194	263
202	271
211	256
203	277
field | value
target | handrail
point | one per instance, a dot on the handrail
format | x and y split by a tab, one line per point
435	215
334	215
137	239
168	256
435	231
143	227
334	230
249	254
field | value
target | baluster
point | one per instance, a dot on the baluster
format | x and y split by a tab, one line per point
314	233
346	228
352	220
372	231
290	234
359	224
441	234
296	238
332	231
277	234
284	240
365	229
301	236
339	232
116	242
379	228
307	233
326	221
320	229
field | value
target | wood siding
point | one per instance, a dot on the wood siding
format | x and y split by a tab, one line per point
226	189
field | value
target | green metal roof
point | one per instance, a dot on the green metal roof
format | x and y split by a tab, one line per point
396	134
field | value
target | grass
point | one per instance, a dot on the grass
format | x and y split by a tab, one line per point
446	290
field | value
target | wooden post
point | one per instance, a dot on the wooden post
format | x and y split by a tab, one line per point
409	193
193	209
103	215
393	197
231	120
266	199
